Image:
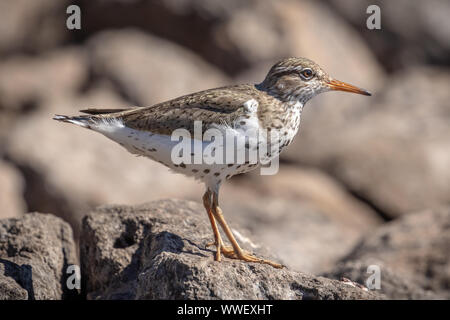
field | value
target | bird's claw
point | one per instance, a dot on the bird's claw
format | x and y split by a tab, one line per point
229	252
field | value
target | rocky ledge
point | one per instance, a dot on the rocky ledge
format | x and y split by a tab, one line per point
151	251
157	251
35	253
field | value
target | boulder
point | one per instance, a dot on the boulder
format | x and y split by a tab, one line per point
35	252
156	251
412	254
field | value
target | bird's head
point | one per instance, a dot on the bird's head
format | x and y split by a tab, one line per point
300	79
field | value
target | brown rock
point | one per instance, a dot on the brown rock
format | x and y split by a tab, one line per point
155	251
35	252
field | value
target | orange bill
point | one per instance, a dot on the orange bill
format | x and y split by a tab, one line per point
342	86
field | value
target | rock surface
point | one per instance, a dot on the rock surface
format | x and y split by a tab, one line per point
156	251
34	254
412	253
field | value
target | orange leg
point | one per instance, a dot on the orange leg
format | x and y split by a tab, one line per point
235	252
217	238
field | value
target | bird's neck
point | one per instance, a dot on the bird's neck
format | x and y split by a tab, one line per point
286	95
278	113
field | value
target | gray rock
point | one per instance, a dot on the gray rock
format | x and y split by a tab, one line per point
156	251
412	253
392	283
34	254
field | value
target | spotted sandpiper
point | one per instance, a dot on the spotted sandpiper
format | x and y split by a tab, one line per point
273	105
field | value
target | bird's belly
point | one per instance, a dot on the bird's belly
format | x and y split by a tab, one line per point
192	158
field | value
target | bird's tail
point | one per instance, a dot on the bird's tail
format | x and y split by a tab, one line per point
82	121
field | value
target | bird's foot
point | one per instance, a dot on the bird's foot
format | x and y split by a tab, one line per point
230	253
210	244
219	247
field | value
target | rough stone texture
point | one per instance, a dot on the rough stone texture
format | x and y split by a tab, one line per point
413	255
304	216
393	150
156	251
34	254
11	185
393	284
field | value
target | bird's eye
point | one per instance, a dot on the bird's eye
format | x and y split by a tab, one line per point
306	74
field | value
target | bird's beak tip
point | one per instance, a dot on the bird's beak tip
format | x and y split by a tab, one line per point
342	86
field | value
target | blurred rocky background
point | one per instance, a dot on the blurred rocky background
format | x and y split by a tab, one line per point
367	179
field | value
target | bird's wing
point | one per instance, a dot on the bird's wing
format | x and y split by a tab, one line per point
94	111
215	106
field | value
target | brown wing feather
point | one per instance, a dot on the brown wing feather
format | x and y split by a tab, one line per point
220	105
103	111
